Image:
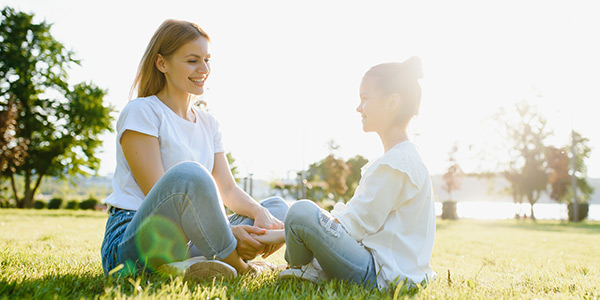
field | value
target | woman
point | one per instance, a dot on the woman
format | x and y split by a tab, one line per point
385	233
172	177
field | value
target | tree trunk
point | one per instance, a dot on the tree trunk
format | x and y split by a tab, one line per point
15	194
28	197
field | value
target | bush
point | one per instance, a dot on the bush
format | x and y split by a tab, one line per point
88	204
73	204
54	203
449	210
6	203
37	204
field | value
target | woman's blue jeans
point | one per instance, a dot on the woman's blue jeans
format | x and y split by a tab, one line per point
183	207
310	232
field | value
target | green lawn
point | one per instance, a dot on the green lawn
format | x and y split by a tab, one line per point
48	254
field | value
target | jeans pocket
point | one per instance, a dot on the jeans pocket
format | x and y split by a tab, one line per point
329	224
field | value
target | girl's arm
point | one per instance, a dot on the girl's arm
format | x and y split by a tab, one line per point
142	153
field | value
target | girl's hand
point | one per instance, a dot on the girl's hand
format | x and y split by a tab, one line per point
264	219
272	239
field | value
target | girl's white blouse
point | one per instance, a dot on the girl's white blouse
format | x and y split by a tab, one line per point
392	214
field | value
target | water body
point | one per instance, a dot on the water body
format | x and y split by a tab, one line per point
507	210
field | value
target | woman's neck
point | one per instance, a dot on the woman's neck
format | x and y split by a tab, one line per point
179	103
392	137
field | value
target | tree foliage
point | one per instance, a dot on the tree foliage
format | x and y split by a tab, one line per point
559	177
334	177
582	152
13	150
62	123
560	163
453	176
355	165
526	170
233	167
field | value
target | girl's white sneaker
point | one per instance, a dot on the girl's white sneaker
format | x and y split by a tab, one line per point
311	271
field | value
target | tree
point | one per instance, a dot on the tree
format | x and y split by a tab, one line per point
559	177
62	123
526	171
232	167
335	172
330	175
452	177
582	152
12	150
355	165
561	172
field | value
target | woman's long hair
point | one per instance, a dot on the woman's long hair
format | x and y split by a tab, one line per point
171	35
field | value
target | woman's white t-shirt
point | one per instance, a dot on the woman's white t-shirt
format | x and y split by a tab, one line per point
180	140
392	214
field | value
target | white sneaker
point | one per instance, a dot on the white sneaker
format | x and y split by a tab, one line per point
198	268
311	271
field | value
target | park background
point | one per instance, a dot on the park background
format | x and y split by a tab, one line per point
284	87
284	81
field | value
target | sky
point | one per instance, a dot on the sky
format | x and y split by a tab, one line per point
285	74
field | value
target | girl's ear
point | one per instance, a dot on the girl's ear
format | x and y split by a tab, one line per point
160	63
395	102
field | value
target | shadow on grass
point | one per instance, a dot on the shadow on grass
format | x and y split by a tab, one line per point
156	286
53	213
60	286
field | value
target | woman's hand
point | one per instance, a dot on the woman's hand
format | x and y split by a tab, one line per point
247	246
264	219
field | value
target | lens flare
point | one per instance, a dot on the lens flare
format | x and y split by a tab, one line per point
160	241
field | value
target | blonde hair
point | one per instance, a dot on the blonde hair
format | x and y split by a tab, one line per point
169	36
402	79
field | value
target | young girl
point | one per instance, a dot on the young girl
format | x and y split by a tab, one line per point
385	233
172	176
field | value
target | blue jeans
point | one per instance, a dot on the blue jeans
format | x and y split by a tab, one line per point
309	234
183	207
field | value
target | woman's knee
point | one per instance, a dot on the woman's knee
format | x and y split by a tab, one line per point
276	206
189	172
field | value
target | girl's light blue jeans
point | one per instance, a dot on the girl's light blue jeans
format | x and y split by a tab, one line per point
311	233
181	216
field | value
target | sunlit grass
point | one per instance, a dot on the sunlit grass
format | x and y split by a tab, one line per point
57	253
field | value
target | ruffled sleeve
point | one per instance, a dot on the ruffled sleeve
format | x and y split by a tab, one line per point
387	184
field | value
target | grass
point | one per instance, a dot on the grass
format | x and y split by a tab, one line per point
56	254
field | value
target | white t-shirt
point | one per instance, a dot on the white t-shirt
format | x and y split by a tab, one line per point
180	140
392	214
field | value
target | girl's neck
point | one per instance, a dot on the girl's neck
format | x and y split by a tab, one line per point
392	137
179	103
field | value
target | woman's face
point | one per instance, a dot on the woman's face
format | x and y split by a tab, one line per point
372	107
188	68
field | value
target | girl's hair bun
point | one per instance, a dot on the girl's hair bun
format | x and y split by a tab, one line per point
413	67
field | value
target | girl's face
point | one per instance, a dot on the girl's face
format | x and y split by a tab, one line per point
373	106
188	68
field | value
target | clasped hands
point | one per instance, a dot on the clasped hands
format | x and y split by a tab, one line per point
248	247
